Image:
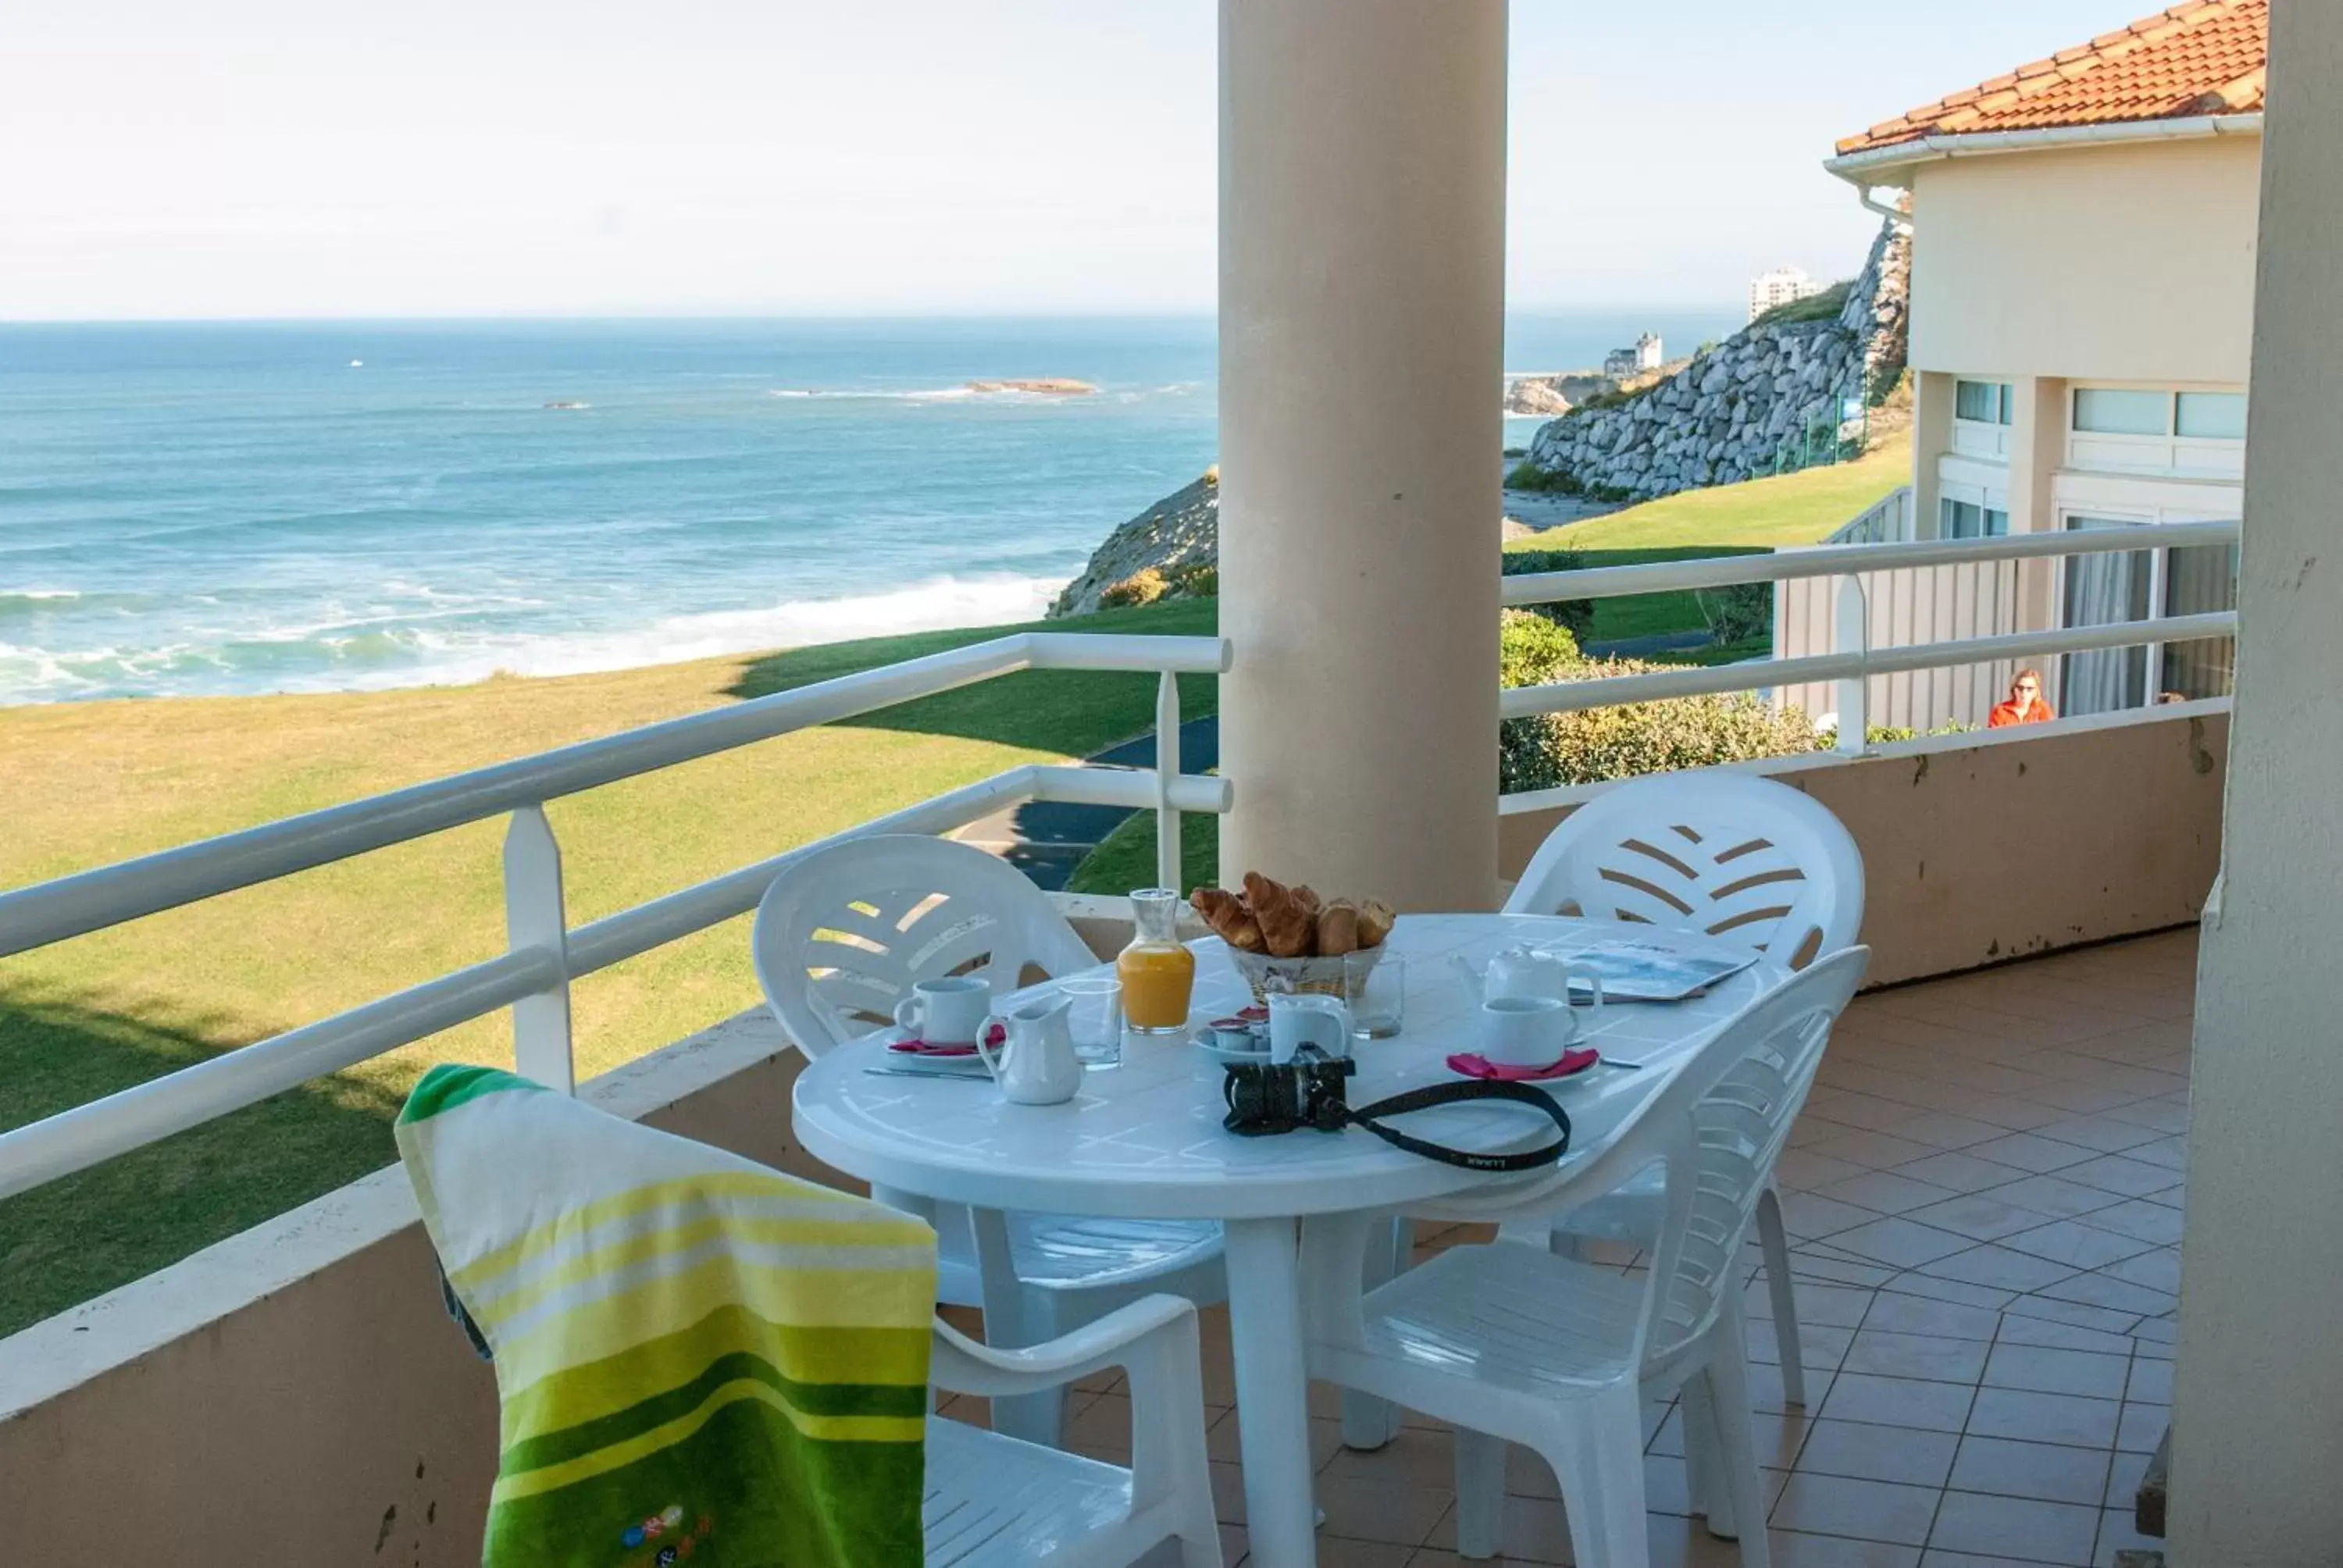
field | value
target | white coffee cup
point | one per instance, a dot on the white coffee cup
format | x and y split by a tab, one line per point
946	1011
1296	1021
1526	1030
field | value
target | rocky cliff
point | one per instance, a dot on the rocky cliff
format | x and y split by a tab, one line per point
1176	540
1726	415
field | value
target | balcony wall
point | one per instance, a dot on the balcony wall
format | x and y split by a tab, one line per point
296	1393
1995	845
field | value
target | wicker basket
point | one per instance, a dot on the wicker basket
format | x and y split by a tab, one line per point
1319	976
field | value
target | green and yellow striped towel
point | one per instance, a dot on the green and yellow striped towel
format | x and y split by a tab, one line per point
700	1361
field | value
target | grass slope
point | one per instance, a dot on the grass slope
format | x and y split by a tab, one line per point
90	783
1800	508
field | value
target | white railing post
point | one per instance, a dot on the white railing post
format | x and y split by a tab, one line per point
535	917
1850	634
1167	768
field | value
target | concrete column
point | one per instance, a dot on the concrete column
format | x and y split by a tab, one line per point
2258	1440
1362	193
1932	437
2038	446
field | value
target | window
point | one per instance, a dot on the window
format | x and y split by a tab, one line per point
2213	416
1969	520
2106	411
1982	402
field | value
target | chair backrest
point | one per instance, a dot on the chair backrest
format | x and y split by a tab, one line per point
1721	1126
844	933
1728	854
1718	1127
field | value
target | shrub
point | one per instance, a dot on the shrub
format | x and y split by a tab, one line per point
1739	613
1145	586
1575	616
1526	475
1532	650
1197	580
1551	749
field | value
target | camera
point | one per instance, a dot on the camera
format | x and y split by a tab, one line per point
1283	1097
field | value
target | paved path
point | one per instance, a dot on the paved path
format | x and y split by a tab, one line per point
1657	642
1046	840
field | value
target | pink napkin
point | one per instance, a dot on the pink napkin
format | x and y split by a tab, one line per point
1472	1065
921	1048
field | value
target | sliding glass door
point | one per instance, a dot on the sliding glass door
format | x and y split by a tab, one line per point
2101	589
2121	586
2196	580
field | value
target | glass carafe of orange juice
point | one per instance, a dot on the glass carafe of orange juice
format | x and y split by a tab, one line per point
1156	972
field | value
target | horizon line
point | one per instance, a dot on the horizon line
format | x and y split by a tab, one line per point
517	317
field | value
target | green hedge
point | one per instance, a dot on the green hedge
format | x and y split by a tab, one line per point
1551	749
1574	617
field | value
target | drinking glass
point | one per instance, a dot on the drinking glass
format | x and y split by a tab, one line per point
1374	983
1095	1019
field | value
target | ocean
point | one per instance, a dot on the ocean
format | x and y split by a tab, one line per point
236	507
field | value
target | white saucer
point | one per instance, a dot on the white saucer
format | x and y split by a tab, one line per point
1208	1041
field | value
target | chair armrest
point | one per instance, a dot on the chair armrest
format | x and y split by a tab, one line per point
963	1366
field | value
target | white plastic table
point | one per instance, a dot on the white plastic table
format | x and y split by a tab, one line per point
1145	1141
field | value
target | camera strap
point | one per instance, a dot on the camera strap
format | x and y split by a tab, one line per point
1438	1094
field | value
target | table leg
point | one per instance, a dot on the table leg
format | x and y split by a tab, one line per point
1273	1391
1368	1423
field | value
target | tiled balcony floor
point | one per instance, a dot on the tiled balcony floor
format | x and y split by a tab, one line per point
1983	1195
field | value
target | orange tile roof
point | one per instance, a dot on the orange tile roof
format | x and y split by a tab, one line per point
2208	57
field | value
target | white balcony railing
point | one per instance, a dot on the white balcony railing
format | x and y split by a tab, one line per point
1852	660
544	954
1886	521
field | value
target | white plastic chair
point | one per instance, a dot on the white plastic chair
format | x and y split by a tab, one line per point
996	1502
1513	1343
1732	856
841	937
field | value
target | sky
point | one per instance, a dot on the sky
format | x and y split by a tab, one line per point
566	157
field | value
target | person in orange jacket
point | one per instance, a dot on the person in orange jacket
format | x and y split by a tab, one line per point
2025	704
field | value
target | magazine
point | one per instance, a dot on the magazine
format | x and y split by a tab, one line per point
1634	971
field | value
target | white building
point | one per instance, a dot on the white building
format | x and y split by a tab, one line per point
1646	355
2082	309
1780	287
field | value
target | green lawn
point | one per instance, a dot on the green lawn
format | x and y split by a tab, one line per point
90	783
1800	509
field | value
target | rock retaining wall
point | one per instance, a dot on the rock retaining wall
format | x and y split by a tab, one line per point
1727	415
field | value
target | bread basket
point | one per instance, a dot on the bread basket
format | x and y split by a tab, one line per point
1322	976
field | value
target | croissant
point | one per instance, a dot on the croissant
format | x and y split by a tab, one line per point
1375	919
1338	928
1230	919
1287	925
1307	896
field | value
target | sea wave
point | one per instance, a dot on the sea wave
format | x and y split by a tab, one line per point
416	652
964	394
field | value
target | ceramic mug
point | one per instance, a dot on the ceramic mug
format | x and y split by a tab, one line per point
946	1011
1309	1019
1526	1030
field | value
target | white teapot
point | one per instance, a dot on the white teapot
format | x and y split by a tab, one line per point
1521	972
1037	1064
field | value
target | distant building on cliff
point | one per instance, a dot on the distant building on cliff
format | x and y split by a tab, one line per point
1780	287
1646	356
